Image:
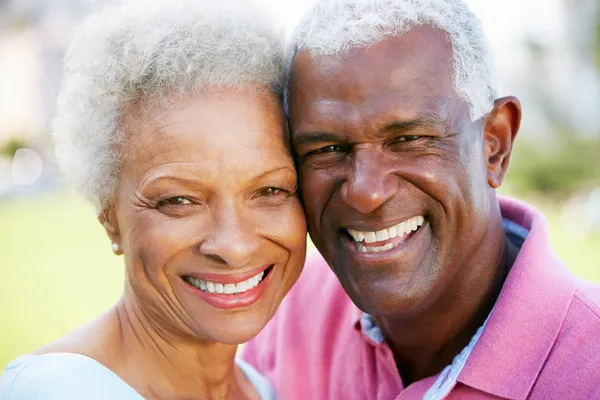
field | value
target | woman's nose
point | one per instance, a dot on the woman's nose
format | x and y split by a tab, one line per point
232	240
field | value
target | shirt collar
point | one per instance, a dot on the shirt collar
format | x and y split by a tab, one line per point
527	316
526	319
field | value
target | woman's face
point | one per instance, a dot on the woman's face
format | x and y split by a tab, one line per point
208	216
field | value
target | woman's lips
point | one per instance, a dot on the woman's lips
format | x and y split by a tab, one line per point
227	291
229	278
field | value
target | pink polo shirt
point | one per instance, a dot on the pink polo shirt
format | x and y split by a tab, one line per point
541	340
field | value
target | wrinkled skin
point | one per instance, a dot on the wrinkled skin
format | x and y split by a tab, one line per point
380	136
210	188
207	186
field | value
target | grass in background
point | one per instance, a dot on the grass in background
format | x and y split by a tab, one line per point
58	270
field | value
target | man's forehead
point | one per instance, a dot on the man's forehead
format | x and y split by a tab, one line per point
419	58
400	78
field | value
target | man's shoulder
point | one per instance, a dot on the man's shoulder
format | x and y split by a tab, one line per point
581	326
589	294
582	322
313	320
316	295
575	356
316	277
583	314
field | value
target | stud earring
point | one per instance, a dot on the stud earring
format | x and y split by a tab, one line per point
115	247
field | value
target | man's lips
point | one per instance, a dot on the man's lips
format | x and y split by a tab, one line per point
387	238
387	250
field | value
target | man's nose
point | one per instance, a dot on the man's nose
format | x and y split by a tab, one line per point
369	182
232	239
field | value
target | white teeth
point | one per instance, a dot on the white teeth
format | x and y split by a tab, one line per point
392	232
401	229
375	249
210	287
370	237
382	235
387	247
229	288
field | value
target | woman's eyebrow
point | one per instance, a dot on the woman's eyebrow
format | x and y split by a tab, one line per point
185	182
274	170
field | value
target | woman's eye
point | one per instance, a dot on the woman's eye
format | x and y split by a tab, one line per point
272	191
407	138
174	201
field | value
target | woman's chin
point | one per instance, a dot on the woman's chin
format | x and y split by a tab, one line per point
234	334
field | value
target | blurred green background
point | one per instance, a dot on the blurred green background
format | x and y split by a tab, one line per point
58	270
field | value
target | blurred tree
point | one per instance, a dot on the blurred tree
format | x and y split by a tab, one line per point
565	165
597	36
11	146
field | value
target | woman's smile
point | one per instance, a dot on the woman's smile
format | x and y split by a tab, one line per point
230	291
172	124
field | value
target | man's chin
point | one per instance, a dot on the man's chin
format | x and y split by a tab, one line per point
384	295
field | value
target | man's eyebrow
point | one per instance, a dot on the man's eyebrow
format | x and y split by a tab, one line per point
404	125
305	138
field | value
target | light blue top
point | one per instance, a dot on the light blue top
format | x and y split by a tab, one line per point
68	376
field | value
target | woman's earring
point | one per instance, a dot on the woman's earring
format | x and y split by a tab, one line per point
115	248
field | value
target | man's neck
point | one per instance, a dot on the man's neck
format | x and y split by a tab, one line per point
161	365
425	344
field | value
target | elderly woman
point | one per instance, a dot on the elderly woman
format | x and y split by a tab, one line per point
170	121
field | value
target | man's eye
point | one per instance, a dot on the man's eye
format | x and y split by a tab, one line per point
174	201
407	138
333	148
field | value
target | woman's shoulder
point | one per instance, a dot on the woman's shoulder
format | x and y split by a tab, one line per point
65	376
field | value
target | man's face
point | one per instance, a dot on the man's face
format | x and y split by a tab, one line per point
392	170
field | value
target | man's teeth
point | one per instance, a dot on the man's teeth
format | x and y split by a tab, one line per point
228	288
403	228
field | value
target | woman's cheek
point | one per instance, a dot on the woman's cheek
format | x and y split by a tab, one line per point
285	224
159	238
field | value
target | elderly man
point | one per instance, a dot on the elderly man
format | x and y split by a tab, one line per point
439	288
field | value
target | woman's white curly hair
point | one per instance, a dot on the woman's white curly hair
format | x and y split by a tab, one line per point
152	52
332	27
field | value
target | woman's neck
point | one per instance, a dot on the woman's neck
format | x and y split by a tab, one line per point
162	365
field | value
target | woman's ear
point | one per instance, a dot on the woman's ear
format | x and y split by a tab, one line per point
500	130
108	219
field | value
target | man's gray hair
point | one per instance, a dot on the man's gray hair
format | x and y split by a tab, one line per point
153	52
335	26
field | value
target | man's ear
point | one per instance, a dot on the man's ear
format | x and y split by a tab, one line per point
108	219
500	130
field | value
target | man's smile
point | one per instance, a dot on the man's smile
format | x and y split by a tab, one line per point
386	243
387	238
